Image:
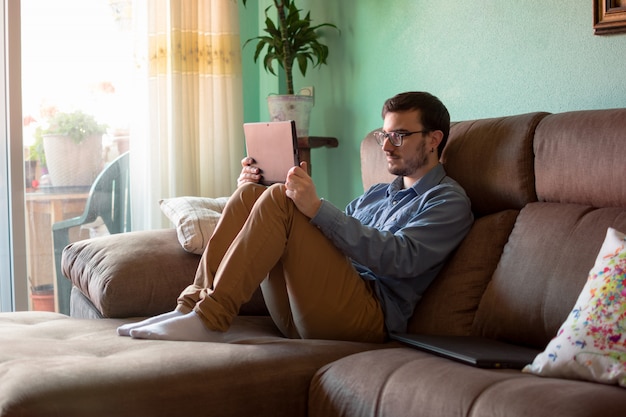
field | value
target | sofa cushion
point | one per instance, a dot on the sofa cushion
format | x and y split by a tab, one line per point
450	303
405	382
543	268
195	219
493	160
580	158
124	275
108	269
591	344
54	365
373	163
502	179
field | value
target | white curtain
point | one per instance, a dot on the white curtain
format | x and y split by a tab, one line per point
189	139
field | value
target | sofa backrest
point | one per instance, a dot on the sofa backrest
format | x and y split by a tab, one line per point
520	270
493	160
580	166
373	163
581	158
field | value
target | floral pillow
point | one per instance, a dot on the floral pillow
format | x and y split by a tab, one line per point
195	219
591	343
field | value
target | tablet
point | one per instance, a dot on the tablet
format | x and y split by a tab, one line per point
476	351
274	148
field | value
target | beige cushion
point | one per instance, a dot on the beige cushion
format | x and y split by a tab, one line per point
195	219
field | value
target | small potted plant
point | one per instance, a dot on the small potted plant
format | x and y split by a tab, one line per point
72	145
291	39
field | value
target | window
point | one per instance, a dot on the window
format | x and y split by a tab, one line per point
77	71
182	122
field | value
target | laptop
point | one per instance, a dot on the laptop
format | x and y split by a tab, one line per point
274	148
476	351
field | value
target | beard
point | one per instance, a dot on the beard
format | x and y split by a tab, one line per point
411	165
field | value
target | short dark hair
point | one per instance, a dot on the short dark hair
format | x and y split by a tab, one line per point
434	114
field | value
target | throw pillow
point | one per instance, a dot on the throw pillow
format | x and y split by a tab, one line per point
591	343
195	219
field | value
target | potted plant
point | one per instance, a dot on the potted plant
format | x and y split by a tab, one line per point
72	144
291	39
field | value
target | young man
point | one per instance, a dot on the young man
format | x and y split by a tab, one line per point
324	273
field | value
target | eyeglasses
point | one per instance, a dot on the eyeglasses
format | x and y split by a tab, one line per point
394	137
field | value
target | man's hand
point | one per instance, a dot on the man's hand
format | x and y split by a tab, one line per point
301	190
248	172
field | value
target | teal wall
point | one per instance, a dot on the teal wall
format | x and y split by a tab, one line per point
482	58
249	27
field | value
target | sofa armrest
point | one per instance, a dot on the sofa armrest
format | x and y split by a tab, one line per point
130	274
136	274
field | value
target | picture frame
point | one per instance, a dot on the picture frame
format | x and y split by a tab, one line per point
609	16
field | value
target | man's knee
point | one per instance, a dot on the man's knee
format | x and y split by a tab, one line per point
248	193
277	189
276	193
250	187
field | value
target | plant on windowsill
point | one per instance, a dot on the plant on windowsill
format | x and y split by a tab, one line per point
291	39
72	145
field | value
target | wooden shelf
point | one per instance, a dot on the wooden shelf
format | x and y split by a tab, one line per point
306	143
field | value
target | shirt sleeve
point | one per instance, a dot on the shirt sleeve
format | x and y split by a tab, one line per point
407	245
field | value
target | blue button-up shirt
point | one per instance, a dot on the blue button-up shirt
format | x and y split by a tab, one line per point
400	238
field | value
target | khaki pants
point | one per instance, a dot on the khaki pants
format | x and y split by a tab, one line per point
311	289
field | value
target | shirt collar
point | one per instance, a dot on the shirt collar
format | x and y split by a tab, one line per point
428	181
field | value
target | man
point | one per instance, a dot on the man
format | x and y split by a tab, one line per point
324	273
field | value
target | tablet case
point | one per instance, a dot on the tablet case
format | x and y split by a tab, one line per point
274	148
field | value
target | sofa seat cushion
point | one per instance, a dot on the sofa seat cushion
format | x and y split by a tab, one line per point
407	382
54	365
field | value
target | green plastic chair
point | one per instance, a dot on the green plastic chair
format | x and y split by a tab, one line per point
109	199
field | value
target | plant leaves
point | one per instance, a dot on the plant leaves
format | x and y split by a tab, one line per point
301	44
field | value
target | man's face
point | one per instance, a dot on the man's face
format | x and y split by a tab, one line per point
411	157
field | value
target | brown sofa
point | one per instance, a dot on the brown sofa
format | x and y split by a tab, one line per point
544	188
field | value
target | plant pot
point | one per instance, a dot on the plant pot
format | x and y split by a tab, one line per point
72	164
30	174
296	107
122	144
42	298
